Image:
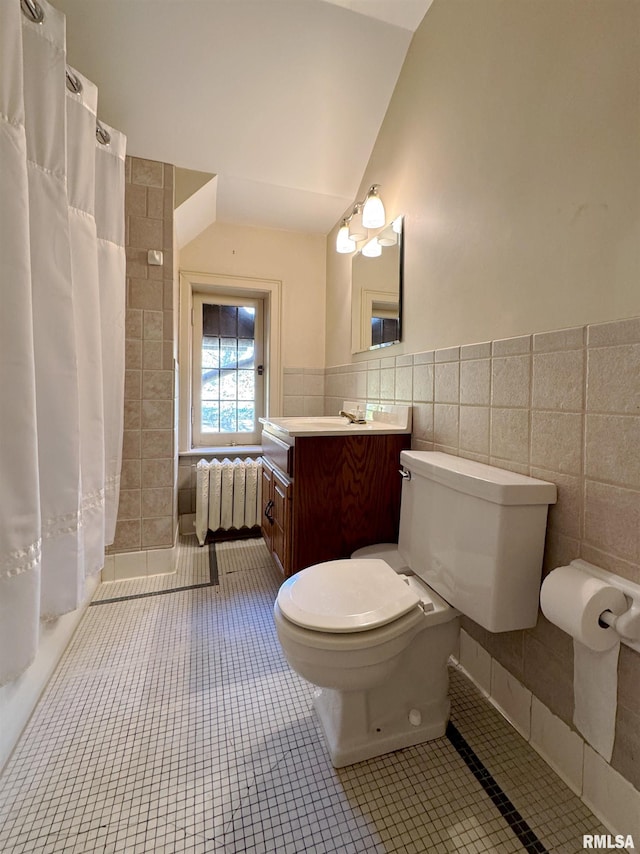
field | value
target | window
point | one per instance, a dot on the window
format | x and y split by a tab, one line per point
227	374
265	295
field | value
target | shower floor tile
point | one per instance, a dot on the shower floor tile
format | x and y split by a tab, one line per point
173	724
192	570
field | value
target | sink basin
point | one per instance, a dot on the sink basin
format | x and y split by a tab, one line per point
320	421
379	420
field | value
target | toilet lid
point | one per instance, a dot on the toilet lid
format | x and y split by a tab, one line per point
346	596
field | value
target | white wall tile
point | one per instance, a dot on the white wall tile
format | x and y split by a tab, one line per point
387	384
615	332
313	384
314	406
559	339
476	351
292	383
512	698
511	346
475	381
404	383
373	385
293	405
447	382
612	798
423	382
448	354
476	661
558	745
403	361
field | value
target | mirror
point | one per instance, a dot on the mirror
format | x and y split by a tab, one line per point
376	291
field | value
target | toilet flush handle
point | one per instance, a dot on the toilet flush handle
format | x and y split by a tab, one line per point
405	474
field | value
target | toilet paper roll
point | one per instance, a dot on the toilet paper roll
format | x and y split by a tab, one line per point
573	601
595	691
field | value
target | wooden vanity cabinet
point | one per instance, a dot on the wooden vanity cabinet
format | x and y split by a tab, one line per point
340	493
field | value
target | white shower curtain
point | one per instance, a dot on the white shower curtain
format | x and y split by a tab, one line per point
19	528
111	271
52	488
81	111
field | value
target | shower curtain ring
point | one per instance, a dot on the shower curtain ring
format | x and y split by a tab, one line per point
32	10
102	134
74	84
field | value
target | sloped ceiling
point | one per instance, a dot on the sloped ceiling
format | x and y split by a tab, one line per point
281	99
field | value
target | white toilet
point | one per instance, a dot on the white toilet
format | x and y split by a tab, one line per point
375	632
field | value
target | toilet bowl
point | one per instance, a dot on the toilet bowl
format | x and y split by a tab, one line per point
375	633
366	635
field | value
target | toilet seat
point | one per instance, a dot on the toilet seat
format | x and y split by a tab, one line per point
341	596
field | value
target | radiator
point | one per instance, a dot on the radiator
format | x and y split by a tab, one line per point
228	495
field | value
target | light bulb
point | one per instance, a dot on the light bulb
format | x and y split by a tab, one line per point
344	243
372	249
373	215
387	237
357	231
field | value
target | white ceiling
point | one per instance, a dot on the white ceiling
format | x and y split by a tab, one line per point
281	99
403	13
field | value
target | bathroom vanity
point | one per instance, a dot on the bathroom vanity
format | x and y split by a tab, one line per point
330	487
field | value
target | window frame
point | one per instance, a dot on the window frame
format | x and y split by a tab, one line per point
200	438
238	287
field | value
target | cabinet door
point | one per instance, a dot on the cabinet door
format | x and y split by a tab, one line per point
281	531
266	520
346	495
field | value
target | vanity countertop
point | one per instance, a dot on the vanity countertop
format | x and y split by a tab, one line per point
381	419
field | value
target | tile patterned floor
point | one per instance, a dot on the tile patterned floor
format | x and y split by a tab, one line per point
173	724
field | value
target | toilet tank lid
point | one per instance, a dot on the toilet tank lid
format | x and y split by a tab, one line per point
488	482
346	596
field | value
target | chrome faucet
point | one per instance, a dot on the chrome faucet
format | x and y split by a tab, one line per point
353	419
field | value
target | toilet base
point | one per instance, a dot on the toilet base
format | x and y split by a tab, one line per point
409	707
343	716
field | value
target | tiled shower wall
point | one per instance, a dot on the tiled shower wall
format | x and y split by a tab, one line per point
146	508
563	406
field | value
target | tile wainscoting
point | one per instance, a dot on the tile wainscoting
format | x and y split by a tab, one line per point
563	406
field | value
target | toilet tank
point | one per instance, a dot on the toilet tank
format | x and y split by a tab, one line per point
475	534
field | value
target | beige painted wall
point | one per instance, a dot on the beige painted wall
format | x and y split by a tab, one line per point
297	259
511	144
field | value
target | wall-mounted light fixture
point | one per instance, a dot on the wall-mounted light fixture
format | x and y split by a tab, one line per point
366	214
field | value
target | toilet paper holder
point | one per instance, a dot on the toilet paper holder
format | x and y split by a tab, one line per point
627	624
